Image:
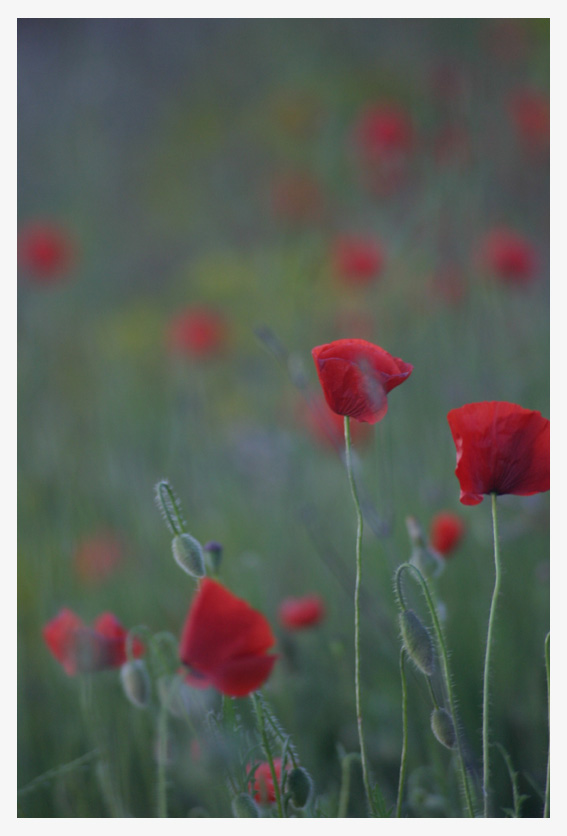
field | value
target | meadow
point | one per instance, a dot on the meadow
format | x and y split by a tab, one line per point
201	203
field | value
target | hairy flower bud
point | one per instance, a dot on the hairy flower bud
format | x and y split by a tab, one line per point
136	682
244	807
188	555
299	785
417	642
443	727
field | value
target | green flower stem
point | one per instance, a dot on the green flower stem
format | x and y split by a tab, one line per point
161	759
409	567
403	759
354	492
268	752
345	783
547	668
489	641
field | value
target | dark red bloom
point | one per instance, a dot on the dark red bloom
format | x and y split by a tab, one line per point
509	256
447	530
298	613
224	642
529	110
328	428
382	131
262	786
45	252
197	331
82	649
97	557
501	448
356	377
357	260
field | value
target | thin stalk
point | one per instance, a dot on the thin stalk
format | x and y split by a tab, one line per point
161	760
547	668
487	659
345	783
446	670
403	759
359	525
268	752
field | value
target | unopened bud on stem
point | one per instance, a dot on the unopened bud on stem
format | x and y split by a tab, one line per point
188	555
443	728
417	642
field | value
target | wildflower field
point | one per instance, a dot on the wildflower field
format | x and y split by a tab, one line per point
283	364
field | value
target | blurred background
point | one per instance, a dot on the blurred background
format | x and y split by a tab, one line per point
201	202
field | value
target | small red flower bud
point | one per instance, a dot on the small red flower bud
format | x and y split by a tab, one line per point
447	530
299	613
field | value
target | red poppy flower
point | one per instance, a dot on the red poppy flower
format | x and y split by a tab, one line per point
447	530
501	448
263	785
45	252
82	649
298	613
96	558
224	642
357	260
327	428
356	376
197	331
529	110
509	256
382	131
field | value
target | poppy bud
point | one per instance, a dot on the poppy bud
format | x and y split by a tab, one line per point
213	556
136	683
417	641
299	785
188	555
443	727
244	807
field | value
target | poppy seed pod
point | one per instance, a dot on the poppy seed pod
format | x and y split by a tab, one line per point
244	807
443	728
136	683
417	642
188	555
299	785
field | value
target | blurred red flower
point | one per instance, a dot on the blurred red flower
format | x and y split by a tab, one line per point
357	260
382	131
82	649
509	256
198	331
97	557
328	428
447	530
224	642
46	252
298	613
529	110
502	448
356	377
262	785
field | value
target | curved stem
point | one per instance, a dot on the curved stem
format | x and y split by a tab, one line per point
446	670
547	667
403	760
489	640
359	525
268	752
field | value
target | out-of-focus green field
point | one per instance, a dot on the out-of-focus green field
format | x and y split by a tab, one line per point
159	146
